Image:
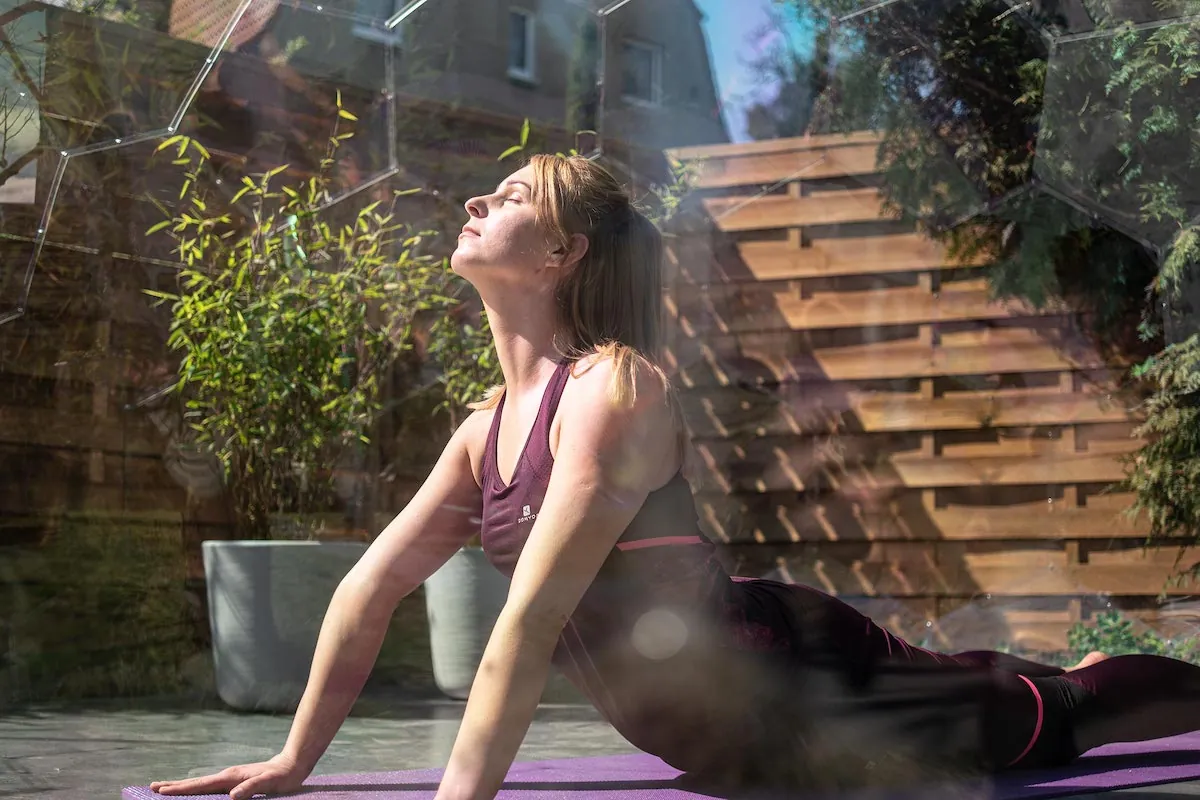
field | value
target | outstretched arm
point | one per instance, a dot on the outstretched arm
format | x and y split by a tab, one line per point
442	516
605	465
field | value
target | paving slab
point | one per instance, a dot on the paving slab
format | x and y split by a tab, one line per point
71	753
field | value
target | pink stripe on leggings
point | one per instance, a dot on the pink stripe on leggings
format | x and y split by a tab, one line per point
1037	729
659	541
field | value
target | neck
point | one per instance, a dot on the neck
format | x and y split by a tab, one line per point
524	335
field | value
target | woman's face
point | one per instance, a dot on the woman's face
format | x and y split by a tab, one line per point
502	237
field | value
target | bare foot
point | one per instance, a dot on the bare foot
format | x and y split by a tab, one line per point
1094	657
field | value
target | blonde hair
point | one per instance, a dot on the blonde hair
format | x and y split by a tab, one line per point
610	302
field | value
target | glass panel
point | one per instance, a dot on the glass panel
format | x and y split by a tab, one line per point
20	121
518	42
1066	18
882	239
291	69
925	262
638	72
1108	141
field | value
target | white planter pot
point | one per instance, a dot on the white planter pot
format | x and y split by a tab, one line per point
266	603
462	600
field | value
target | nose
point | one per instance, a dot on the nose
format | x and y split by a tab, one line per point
475	207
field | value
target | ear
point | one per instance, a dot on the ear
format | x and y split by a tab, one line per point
572	254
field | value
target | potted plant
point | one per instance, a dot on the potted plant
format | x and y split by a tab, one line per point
287	325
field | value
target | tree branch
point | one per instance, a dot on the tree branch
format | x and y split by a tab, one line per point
19	66
15	167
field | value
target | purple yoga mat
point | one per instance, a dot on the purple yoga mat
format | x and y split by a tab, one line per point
642	777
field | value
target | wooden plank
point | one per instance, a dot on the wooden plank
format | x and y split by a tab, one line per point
71	466
784	465
732	214
793	408
1032	630
998	471
1034	447
1044	631
785	517
51	428
42	498
836	257
779	166
1045	520
718	360
1049	573
69	351
739	309
867	569
950	570
118	371
785	145
984	625
955	627
966	411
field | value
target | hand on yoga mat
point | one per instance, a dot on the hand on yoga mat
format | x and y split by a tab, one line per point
280	775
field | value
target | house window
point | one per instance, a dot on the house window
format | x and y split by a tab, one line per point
641	72
521	44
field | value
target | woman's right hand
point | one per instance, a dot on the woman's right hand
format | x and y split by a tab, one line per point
279	775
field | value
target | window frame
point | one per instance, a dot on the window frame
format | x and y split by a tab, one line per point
656	73
529	74
395	37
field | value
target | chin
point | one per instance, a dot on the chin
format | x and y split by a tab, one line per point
461	267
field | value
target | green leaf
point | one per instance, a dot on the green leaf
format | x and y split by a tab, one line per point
525	132
516	148
158	226
344	114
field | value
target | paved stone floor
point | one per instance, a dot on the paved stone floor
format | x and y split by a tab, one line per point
49	753
74	753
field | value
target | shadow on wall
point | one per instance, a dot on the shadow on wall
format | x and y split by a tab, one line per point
866	420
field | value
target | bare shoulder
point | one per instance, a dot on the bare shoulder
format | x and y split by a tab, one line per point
617	407
598	379
470	438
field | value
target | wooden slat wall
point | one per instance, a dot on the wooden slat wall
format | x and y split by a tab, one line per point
865	418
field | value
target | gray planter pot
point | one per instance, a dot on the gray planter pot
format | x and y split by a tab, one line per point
266	603
462	600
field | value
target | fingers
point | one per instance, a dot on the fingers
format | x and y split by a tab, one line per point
259	784
209	784
183	787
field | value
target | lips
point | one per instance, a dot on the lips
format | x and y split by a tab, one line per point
468	231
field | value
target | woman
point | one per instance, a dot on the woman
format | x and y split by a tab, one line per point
574	467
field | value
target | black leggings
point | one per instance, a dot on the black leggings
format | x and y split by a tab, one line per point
1046	721
850	686
1030	715
1042	716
